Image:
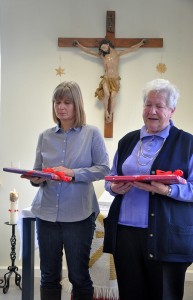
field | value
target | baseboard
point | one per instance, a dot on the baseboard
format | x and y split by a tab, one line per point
189	275
3	270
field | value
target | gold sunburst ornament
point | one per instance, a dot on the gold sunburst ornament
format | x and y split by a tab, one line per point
161	67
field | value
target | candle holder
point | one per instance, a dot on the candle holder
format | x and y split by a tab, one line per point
4	283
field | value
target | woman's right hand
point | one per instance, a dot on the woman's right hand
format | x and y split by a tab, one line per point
120	187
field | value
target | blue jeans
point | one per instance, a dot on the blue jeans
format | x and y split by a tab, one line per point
75	238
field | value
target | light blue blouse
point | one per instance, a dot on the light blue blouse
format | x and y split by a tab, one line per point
81	149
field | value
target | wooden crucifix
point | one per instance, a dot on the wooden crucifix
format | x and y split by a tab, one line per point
112	85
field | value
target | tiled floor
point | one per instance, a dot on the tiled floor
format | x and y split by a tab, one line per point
14	293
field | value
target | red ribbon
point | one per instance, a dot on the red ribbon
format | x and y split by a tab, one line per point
176	172
61	175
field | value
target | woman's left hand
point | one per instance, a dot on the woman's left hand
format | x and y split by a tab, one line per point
67	172
154	187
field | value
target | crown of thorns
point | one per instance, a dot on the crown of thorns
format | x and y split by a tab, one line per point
106	41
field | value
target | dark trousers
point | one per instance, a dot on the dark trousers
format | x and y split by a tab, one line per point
173	280
140	278
75	238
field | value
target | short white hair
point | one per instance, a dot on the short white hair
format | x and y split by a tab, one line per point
160	85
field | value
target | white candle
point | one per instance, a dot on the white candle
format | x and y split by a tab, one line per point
13	207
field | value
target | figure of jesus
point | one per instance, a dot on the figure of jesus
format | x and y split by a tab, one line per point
110	82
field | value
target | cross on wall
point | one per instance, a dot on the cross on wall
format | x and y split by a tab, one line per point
117	42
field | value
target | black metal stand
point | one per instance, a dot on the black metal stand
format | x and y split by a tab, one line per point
4	283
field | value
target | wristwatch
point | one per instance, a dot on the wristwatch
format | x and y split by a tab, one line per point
169	191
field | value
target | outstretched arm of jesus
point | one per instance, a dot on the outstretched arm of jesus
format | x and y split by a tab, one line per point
85	49
132	48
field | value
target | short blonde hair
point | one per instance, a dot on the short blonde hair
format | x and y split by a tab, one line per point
70	90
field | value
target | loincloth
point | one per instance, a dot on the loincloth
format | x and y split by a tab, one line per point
113	85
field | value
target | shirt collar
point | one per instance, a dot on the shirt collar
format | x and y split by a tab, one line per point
59	129
163	134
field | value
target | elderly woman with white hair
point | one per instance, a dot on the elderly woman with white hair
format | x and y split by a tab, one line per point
149	228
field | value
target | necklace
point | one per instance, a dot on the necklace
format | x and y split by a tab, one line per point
150	158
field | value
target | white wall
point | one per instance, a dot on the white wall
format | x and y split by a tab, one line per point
29	33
